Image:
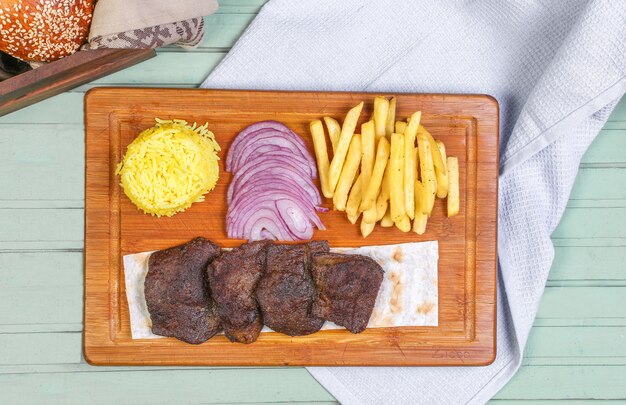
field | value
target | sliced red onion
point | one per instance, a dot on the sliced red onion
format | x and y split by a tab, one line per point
267	219
298	223
258	187
263	125
272	137
282	154
248	205
271	194
270	169
269	144
239	215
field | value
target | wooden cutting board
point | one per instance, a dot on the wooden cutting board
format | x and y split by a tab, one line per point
465	335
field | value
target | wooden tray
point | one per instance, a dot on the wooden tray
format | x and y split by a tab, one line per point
468	124
64	74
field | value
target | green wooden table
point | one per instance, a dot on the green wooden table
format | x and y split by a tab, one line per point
576	351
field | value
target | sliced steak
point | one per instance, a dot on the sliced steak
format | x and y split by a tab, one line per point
177	293
233	278
347	287
286	291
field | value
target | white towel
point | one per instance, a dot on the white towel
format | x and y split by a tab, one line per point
557	70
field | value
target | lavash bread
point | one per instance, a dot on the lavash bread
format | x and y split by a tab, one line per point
44	30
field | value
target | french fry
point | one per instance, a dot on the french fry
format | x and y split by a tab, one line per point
369	216
381	109
404	224
348	173
417	163
334	131
400	127
409	163
368	146
453	191
353	218
382	201
396	173
367	228
368	142
421	218
440	167
442	149
372	191
386	221
354	198
321	154
381	207
391	117
345	141
443	185
427	171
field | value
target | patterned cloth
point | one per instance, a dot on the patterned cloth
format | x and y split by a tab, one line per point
148	23
555	67
186	34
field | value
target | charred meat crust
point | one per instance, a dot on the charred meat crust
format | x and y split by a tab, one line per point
233	278
177	292
193	290
286	291
347	287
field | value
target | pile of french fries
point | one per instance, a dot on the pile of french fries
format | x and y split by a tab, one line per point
390	173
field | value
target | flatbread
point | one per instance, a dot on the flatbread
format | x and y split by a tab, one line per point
408	295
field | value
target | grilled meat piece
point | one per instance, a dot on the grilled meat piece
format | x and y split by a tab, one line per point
233	278
177	293
347	287
286	291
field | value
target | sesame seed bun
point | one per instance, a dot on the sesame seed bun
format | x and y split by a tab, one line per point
44	30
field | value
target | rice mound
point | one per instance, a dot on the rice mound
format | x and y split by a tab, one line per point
169	167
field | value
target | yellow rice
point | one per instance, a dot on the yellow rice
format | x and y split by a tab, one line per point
169	167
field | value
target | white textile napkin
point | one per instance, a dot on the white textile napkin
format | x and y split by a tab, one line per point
557	70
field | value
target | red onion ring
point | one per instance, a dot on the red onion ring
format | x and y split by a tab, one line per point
271	194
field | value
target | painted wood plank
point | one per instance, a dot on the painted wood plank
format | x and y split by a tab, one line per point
83	367
555	402
608	242
547	346
40	348
588	223
277	385
608	147
576	345
46	288
621	124
619	113
583	303
34	225
165	386
222	30
600	184
65	108
42	163
241	6
167	68
588	263
566	382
